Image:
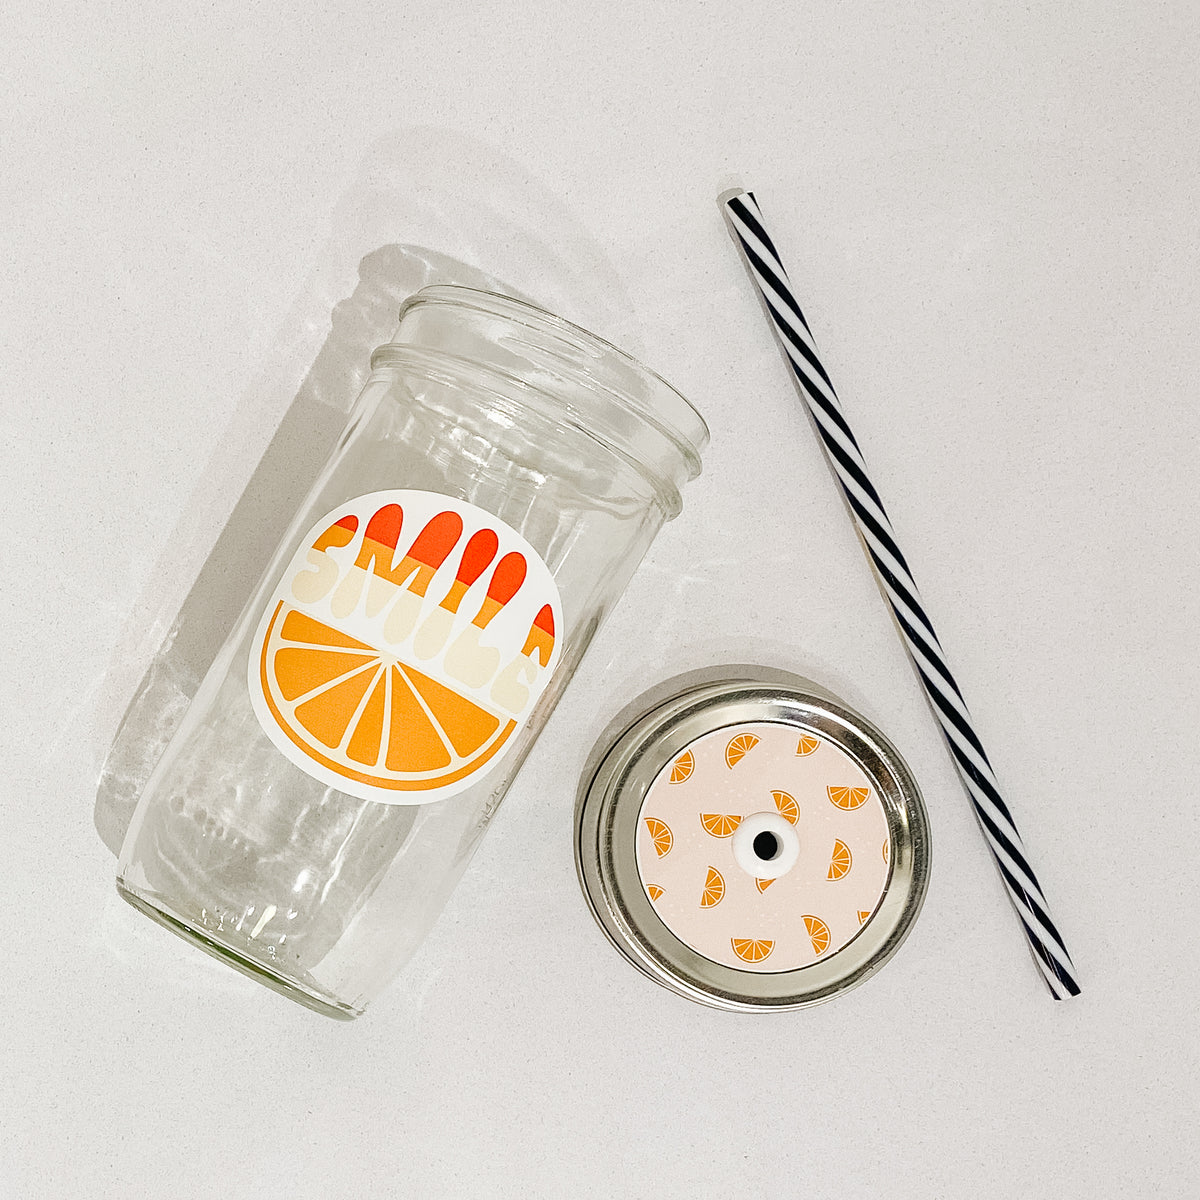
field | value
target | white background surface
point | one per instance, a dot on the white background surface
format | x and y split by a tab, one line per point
989	211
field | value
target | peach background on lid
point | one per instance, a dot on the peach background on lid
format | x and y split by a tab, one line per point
743	912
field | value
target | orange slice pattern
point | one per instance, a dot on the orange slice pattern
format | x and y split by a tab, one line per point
367	717
714	889
738	748
653	890
682	768
751	950
807	745
886	845
758	920
819	932
720	825
848	798
660	836
839	862
787	806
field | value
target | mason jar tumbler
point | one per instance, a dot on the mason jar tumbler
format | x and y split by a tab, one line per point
501	476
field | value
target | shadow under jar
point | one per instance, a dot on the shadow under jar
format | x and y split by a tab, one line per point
501	476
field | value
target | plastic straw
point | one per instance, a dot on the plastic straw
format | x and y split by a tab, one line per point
896	583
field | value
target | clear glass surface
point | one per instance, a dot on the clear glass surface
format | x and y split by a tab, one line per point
323	895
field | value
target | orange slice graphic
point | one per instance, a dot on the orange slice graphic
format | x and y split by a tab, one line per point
366	716
719	825
848	798
714	889
750	949
738	748
763	884
660	836
654	890
886	844
839	863
819	932
788	808
682	768
807	744
862	915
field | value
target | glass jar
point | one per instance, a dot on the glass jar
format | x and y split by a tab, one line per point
502	475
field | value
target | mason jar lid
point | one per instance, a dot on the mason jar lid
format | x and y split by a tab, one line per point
751	843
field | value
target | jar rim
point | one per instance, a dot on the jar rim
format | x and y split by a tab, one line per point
668	409
517	394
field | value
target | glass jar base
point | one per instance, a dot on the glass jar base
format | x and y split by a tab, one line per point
310	998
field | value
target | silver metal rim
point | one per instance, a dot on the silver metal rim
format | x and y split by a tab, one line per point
606	822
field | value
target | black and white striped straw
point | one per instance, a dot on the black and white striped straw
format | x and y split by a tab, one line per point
896	583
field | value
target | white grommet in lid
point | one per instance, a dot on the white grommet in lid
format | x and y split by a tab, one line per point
765	845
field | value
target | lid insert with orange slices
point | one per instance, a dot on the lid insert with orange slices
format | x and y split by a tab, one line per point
766	817
729	842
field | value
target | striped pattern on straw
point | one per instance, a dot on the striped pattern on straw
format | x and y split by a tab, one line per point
900	591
